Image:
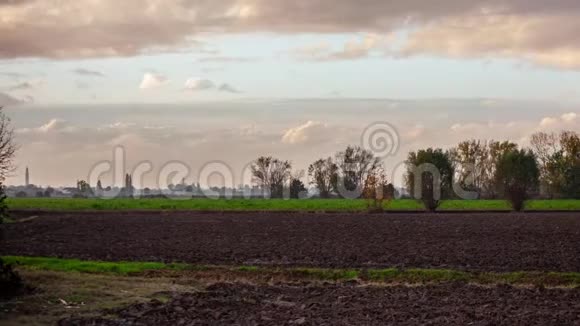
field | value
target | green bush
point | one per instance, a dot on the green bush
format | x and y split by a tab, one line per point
517	175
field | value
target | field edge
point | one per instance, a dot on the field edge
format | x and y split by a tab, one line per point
386	276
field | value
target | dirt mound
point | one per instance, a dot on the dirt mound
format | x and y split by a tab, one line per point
448	304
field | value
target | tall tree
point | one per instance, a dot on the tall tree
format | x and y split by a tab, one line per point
559	160
495	151
517	175
377	190
546	148
433	169
84	188
570	142
271	174
324	174
354	164
297	188
469	158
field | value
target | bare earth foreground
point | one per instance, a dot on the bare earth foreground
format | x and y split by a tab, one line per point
474	242
242	304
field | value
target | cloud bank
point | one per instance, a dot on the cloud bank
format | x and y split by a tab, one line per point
199	134
541	32
9	100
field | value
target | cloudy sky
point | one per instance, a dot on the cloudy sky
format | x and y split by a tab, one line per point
198	81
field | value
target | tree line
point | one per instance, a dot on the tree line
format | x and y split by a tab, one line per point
473	169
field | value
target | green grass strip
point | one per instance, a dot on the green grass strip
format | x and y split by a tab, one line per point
75	265
390	275
345	205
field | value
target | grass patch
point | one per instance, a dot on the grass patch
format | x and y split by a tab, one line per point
389	275
325	274
75	265
465	205
417	275
345	205
556	204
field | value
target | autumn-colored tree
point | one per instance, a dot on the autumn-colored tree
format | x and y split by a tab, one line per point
377	190
559	160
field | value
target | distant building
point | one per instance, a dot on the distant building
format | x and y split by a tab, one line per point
27	178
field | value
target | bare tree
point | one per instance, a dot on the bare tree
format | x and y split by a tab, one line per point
10	281
324	174
7	146
546	146
469	164
271	174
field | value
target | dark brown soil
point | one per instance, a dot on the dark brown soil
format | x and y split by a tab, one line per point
446	304
491	242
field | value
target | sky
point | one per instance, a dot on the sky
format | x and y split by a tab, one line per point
197	81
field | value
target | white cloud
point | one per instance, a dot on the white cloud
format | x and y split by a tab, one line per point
564	121
414	132
304	133
356	49
196	84
152	81
54	125
120	125
548	122
529	37
569	117
351	50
